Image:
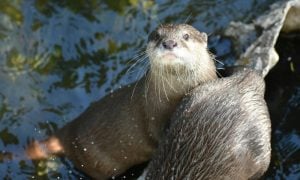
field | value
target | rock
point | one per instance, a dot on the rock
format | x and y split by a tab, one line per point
260	54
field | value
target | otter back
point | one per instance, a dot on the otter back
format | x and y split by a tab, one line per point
220	131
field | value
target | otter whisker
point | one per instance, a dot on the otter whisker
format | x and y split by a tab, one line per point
170	84
218	61
135	84
164	88
160	80
177	76
216	70
141	74
219	74
136	58
188	18
156	80
141	59
139	71
147	84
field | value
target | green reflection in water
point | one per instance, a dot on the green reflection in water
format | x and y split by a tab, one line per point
55	58
8	138
10	9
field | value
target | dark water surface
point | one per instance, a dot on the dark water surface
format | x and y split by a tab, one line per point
56	57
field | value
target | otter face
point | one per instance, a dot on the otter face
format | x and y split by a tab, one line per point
177	45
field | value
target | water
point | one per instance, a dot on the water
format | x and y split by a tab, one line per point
56	57
283	97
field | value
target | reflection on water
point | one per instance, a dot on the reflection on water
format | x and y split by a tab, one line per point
58	56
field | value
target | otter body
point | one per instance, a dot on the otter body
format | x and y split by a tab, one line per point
123	128
221	130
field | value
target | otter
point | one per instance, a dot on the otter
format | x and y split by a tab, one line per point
122	130
220	130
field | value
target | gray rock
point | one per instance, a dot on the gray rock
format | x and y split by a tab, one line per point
261	54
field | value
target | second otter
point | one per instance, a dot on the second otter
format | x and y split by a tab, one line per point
220	131
120	131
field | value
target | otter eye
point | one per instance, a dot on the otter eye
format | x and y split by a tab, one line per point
154	36
186	37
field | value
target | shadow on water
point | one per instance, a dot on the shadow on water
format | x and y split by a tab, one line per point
56	57
283	97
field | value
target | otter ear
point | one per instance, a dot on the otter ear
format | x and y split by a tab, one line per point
204	36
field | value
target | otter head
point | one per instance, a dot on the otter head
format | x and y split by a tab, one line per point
180	48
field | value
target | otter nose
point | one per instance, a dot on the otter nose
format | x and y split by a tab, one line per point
169	44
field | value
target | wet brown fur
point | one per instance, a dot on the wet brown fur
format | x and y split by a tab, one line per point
220	131
123	128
